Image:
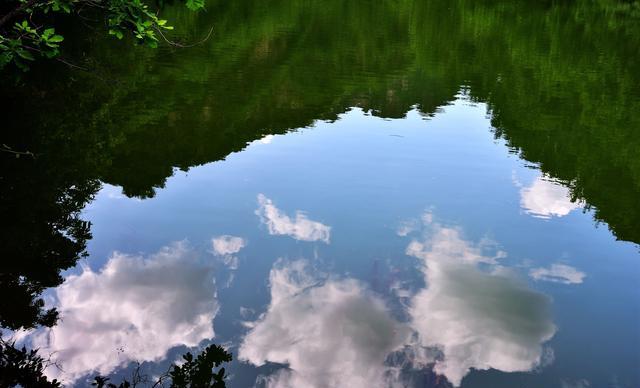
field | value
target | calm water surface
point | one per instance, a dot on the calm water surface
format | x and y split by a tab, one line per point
421	194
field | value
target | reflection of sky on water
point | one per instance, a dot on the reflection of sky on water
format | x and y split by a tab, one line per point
227	245
480	298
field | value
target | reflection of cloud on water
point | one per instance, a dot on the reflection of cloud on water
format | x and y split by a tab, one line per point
559	273
267	139
477	319
406	227
545	199
331	333
300	227
227	245
409	226
135	308
337	333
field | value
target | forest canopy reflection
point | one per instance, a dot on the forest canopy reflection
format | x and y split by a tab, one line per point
282	66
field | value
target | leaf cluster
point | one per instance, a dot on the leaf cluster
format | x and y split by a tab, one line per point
195	372
22	367
26	30
134	16
198	372
26	42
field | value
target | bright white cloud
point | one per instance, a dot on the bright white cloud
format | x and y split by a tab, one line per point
227	245
546	199
300	227
330	334
477	319
267	139
448	242
559	273
134	308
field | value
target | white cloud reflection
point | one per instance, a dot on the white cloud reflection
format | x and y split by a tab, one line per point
559	273
300	227
267	139
337	333
134	308
546	199
227	245
478	319
331	333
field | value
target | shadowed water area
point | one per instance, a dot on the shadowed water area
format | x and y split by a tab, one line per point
343	194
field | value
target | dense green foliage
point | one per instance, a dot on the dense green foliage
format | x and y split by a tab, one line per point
26	26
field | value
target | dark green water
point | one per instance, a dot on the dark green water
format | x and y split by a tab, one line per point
362	194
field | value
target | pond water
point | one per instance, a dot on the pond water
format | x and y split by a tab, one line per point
420	194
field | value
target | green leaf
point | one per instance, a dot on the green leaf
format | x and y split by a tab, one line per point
195	5
25	54
56	38
117	33
5	58
52	53
48	32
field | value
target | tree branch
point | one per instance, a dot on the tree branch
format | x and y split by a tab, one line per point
7	17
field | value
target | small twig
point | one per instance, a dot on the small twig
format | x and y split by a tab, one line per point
6	148
160	382
48	362
176	44
71	64
10	15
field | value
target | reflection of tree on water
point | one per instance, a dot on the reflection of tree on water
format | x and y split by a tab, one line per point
25	368
41	232
548	98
